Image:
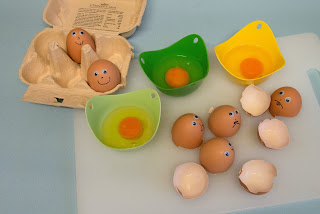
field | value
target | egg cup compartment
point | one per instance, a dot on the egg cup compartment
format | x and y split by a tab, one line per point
257	43
53	77
98	108
190	53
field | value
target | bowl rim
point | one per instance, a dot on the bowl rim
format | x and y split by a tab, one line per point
124	95
252	79
206	71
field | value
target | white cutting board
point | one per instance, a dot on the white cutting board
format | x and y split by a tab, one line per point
140	181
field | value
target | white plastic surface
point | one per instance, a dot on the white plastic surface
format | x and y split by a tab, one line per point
140	181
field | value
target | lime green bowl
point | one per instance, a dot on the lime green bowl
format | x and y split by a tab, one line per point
190	53
98	108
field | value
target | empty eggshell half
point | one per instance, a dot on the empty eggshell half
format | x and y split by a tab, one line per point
190	180
273	134
255	101
256	176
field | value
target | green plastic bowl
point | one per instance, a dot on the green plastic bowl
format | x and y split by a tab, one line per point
97	109
190	53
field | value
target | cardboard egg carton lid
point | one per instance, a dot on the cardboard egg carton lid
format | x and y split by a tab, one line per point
111	16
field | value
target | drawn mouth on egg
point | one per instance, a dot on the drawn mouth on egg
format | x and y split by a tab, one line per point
104	83
81	43
278	103
202	126
235	123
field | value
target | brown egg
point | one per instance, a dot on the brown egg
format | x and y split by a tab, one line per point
187	131
103	76
216	155
76	39
224	121
286	102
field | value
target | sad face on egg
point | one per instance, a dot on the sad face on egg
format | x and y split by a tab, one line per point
224	121
285	101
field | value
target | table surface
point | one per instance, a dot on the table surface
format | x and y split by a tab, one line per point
37	164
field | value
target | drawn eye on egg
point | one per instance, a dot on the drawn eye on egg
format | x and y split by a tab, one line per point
236	112
96	73
104	71
74	33
81	33
231	114
193	123
226	153
288	99
196	117
229	144
281	92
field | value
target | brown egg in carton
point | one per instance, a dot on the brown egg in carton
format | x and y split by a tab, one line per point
53	77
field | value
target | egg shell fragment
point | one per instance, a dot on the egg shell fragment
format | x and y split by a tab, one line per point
190	180
273	134
256	176
255	101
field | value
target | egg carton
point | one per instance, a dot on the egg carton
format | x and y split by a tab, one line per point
53	77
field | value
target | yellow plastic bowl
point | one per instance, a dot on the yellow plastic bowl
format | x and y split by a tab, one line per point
255	41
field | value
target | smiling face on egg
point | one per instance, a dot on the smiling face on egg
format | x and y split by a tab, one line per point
285	101
224	121
76	39
103	76
187	131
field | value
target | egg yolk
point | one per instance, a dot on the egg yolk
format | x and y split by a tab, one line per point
251	68
130	128
177	77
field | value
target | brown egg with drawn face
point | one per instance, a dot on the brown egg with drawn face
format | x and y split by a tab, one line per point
76	39
187	131
103	76
216	155
286	102
224	121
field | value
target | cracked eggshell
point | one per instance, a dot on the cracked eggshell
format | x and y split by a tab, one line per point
273	134
255	101
187	131
190	180
256	176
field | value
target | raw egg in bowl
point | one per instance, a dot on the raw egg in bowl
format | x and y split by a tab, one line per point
251	55
179	69
124	121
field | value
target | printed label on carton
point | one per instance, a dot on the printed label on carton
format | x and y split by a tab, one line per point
102	16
